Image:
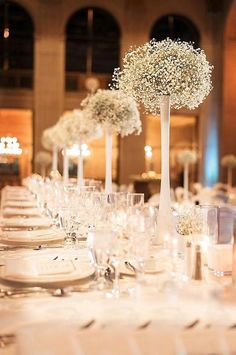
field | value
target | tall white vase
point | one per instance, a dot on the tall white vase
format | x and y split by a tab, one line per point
80	168
65	166
229	176
186	172
165	217
54	158
108	178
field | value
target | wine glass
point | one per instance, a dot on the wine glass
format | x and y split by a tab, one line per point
99	242
140	228
135	199
69	222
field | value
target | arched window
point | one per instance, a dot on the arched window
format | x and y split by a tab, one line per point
16	46
175	27
92	42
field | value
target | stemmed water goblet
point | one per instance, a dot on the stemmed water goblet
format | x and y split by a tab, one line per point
100	241
135	199
69	222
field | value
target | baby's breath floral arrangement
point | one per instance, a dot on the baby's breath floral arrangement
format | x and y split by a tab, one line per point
189	221
51	137
229	161
51	140
187	157
75	126
166	68
117	113
113	110
161	75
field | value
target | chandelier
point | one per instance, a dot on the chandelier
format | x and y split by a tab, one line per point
10	146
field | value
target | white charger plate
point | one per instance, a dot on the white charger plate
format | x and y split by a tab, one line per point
84	271
20	203
31	238
19	222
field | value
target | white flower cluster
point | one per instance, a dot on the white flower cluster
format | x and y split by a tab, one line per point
229	161
43	158
187	157
189	221
115	111
165	68
75	126
51	137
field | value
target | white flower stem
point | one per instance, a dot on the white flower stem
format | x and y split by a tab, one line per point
80	168
108	179
165	218
229	176
65	166
186	171
54	158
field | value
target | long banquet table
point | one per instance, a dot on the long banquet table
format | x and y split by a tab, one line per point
164	316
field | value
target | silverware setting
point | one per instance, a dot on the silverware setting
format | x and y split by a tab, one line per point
130	266
144	325
192	324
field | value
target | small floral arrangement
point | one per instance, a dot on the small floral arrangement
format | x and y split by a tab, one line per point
43	158
187	157
189	221
75	126
114	111
166	68
51	137
229	161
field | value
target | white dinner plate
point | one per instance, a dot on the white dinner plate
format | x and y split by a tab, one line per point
79	272
18	222
31	238
20	203
14	211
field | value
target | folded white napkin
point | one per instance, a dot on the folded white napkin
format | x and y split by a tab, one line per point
23	268
48	338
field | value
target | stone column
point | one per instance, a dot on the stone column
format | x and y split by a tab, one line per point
131	148
49	70
211	109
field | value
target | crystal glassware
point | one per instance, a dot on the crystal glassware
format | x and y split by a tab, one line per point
68	218
100	241
135	199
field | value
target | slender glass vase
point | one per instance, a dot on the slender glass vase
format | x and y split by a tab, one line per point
80	167
54	158
108	178
186	172
65	166
165	217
